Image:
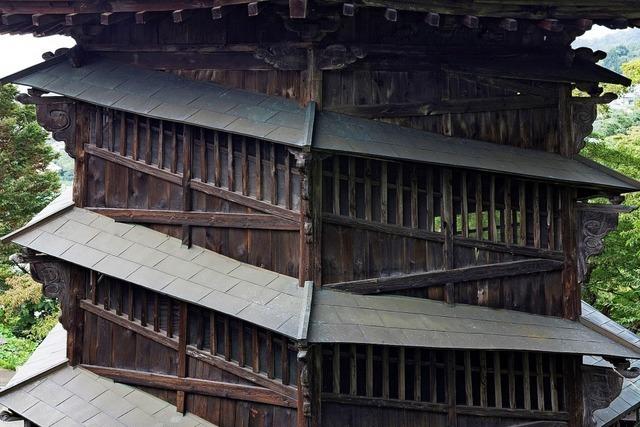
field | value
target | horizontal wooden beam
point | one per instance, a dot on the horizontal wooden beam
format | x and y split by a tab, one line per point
440	277
246	374
446	106
443	408
141	166
132	325
194	385
203	219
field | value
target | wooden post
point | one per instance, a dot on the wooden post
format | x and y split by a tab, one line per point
448	226
570	287
182	355
451	388
75	327
187	150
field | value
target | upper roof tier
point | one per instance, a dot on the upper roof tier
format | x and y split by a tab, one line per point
165	96
542	9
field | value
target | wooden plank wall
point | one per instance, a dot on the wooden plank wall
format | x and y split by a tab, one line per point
372	230
235	372
427	387
232	203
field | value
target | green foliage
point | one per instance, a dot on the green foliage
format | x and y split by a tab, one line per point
27	186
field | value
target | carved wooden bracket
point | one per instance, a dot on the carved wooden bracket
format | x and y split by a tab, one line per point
55	278
583	114
56	114
601	385
305	380
594	223
282	57
337	56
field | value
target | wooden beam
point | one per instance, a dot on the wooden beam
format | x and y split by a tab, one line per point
194	385
348	9
298	9
146	16
552	25
72	19
16	19
441	277
182	15
112	18
391	15
432	19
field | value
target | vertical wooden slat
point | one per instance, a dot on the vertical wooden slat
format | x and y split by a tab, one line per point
464	205
336	185
571	289
93	286
540	382
399	196
245	166
483	379
512	380
258	170
187	157
156	312
497	379
135	146
287	180
522	202
284	361
448	224
270	355
551	243
217	161
414	198
143	307
433	380
174	148
430	202
227	339
451	387
468	387
230	164
353	370
123	133
417	384
508	213
369	375
385	372
367	191
240	338
99	127
536	215
401	373
553	383
182	355
274	181
170	318
493	234
107	296
148	143
384	193
479	218
255	349
132	305
119	299
352	187
526	380
204	165
161	144
213	337
336	368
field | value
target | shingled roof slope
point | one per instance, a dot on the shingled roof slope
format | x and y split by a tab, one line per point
407	321
48	392
165	96
153	260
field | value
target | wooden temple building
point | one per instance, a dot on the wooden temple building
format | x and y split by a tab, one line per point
325	213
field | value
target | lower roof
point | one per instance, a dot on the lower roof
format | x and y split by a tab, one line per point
164	96
46	391
407	321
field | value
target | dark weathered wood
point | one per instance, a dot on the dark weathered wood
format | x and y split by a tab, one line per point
194	385
439	277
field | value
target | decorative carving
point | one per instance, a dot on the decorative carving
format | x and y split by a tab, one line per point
54	276
314	28
594	223
282	57
305	383
601	385
337	56
583	115
56	114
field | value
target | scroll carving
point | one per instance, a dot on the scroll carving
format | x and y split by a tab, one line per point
282	57
595	222
583	115
305	380
601	386
55	277
337	57
57	115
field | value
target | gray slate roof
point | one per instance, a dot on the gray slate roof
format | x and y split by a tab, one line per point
166	96
151	259
48	392
629	398
406	321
